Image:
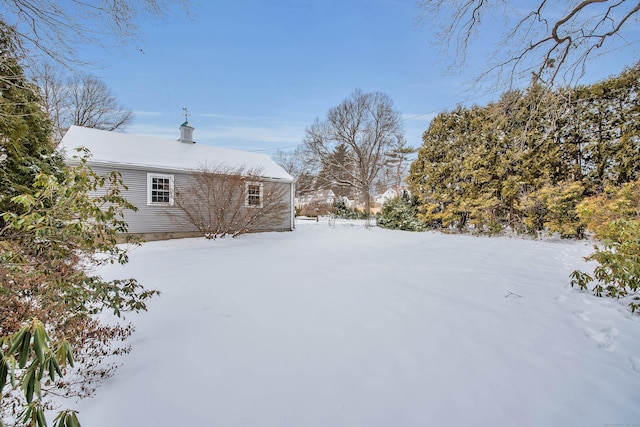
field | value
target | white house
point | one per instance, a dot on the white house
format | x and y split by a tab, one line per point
382	198
151	168
326	197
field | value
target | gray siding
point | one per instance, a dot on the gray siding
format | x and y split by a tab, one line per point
154	219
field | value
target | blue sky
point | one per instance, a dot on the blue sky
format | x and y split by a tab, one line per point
254	74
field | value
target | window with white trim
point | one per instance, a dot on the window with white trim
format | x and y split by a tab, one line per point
253	195
159	189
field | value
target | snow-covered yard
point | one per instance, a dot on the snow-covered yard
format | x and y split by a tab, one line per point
348	326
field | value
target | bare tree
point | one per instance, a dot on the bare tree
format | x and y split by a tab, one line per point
299	167
55	30
79	99
547	40
225	201
369	127
51	94
289	161
93	105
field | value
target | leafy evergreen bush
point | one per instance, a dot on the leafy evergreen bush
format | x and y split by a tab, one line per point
400	213
341	210
614	218
56	225
49	246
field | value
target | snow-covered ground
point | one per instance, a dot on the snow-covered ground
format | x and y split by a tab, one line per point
348	326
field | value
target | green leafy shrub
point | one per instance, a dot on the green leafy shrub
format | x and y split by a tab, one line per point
49	245
614	218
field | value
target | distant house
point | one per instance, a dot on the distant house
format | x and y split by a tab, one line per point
382	198
317	197
152	168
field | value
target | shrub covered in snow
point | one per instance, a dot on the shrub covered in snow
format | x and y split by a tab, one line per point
400	213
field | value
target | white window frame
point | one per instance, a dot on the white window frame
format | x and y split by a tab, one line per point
246	194
150	177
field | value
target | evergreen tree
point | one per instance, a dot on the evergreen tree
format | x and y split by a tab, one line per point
337	172
531	155
397	163
26	148
454	175
400	213
608	114
341	210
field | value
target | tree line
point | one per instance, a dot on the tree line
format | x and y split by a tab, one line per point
527	161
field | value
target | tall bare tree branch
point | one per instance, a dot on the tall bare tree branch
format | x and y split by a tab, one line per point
55	31
549	41
299	167
78	99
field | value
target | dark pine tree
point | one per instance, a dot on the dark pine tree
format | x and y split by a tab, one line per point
26	147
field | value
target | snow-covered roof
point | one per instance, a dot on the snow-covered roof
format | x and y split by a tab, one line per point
115	148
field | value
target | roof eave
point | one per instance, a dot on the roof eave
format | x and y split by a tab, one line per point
154	168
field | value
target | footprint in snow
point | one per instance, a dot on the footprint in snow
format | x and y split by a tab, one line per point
561	298
584	315
635	364
605	338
